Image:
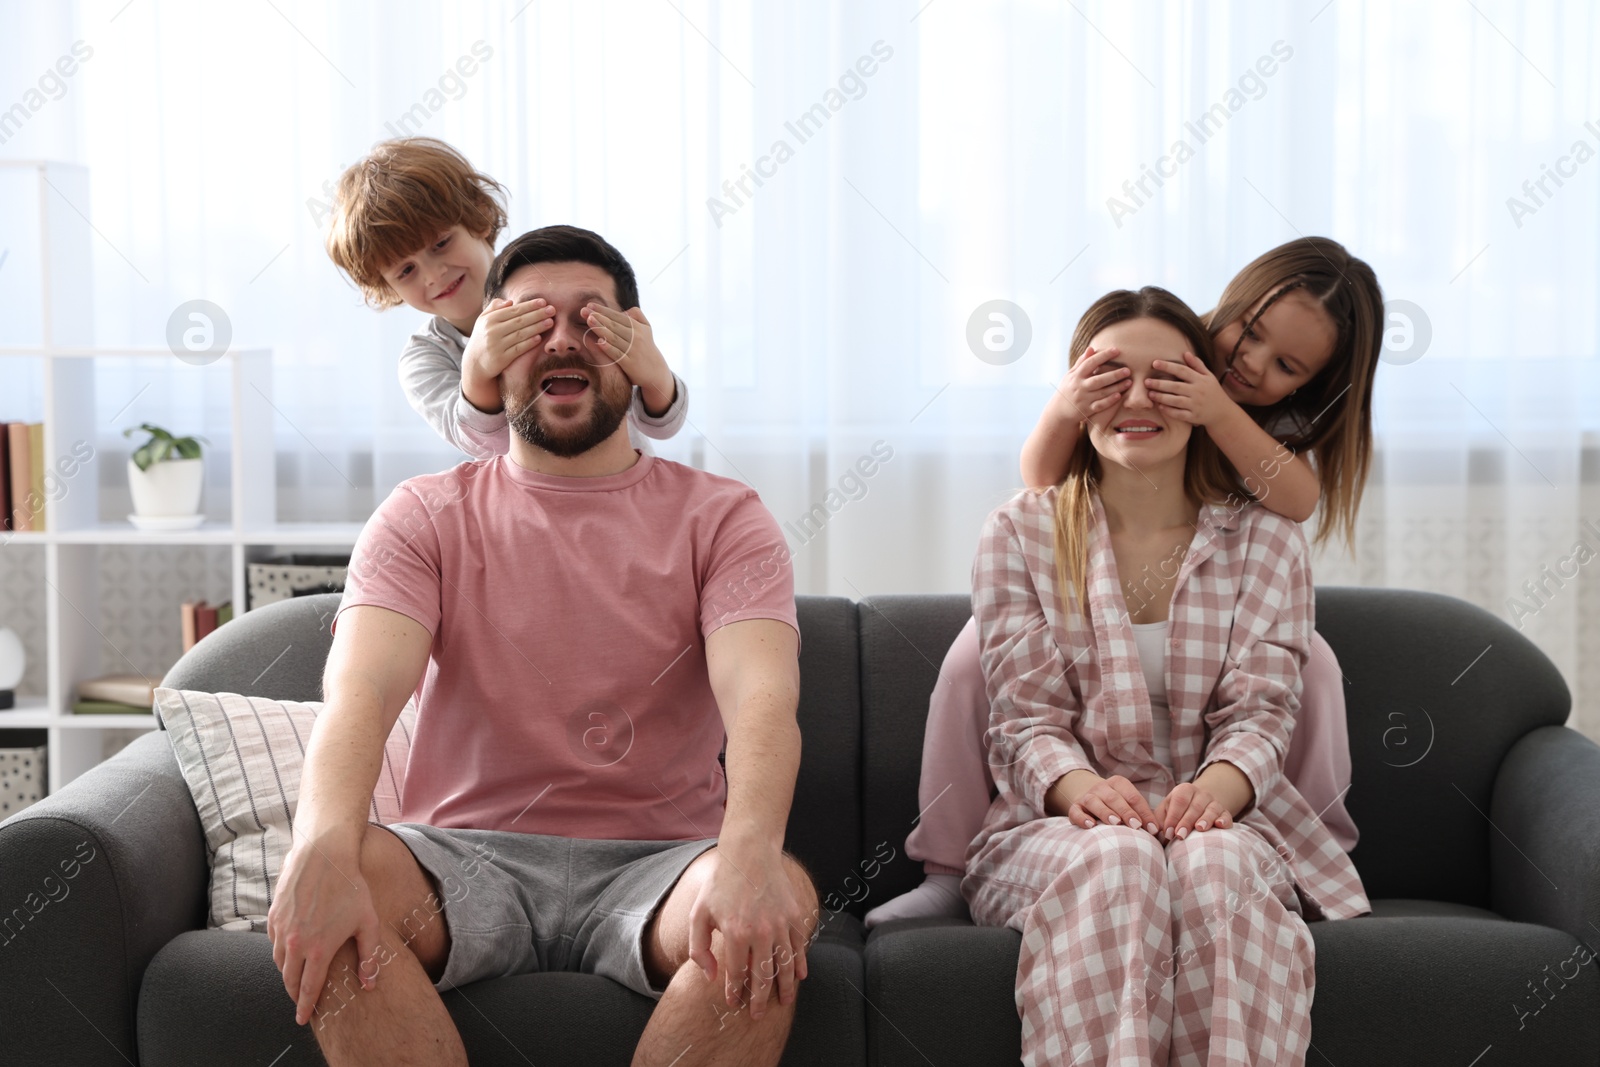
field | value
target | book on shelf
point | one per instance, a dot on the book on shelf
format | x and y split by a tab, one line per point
205	620
20	447
134	689
5	477
108	707
187	614
201	618
35	497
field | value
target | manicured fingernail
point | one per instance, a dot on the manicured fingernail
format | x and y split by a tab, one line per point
1113	820
1183	832
1201	825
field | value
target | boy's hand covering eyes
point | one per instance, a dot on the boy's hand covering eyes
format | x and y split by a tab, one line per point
504	332
625	339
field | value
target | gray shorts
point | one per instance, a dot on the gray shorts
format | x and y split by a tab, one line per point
521	903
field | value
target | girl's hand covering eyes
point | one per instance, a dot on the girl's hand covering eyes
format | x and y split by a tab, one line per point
1087	389
1188	391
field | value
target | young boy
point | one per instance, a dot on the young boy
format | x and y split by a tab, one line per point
414	223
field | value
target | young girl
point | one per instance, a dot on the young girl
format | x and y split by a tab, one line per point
1159	865
1296	338
415	223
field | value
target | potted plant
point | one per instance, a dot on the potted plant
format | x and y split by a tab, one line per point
165	476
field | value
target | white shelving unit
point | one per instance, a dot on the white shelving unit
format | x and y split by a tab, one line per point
75	530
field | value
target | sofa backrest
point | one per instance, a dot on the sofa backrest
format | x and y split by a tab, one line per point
1437	691
824	830
279	650
903	643
276	651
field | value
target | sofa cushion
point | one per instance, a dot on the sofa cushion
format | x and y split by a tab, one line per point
214	996
241	758
1416	983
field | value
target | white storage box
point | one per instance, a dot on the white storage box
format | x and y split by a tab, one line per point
300	574
21	778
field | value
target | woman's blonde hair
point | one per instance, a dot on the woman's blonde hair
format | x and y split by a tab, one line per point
398	200
1335	406
1208	477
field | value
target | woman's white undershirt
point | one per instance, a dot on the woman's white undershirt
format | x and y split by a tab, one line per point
1151	637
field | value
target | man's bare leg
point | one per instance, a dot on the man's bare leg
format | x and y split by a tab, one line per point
693	1024
401	1021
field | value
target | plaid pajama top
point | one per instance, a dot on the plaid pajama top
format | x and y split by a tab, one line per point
1066	694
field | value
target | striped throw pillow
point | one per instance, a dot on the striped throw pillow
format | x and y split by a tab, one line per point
241	757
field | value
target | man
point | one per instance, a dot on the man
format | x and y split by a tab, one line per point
576	614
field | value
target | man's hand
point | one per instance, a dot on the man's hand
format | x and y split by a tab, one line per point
321	902
765	930
502	333
626	340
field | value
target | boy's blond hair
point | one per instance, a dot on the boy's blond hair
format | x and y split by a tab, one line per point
398	200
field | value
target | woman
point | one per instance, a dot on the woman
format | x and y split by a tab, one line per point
1144	839
1301	327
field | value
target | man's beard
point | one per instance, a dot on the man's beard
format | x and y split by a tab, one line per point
527	420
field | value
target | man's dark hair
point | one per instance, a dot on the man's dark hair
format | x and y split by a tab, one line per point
562	244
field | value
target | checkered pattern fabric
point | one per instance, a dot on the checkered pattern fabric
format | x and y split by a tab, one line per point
1135	954
1095	905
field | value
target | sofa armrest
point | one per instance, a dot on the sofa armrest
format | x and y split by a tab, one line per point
94	880
1544	852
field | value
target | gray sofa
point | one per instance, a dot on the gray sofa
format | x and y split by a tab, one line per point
1479	812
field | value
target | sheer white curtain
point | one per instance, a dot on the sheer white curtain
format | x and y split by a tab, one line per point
818	197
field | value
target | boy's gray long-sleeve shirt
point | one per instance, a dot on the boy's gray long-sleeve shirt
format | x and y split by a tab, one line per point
430	375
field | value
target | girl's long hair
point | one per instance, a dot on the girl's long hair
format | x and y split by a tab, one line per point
1208	477
1335	406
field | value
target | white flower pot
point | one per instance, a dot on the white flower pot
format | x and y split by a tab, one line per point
170	489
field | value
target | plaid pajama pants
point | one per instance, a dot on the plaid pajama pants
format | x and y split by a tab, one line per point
1136	954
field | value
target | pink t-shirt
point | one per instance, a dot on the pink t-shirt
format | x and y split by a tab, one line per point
566	691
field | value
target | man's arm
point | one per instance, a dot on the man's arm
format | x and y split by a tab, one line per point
755	676
322	900
377	658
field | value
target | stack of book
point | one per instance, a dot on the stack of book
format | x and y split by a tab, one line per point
115	694
22	470
200	618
